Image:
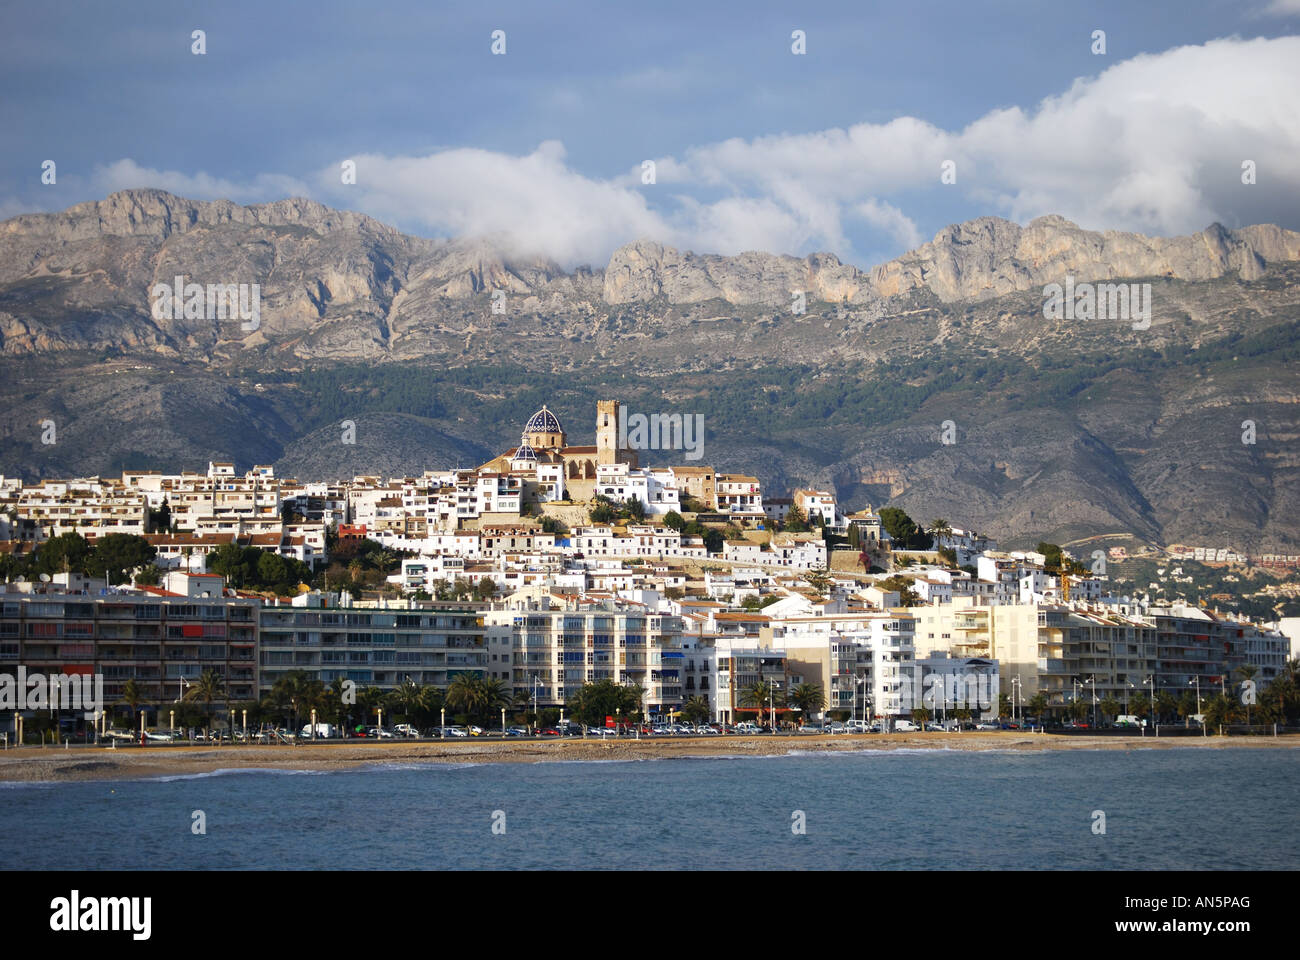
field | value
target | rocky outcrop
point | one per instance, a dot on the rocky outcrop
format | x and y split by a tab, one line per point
991	257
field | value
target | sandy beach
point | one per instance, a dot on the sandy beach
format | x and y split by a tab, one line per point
31	764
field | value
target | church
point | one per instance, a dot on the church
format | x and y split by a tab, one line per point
544	450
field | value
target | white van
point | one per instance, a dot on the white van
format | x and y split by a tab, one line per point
905	726
1129	720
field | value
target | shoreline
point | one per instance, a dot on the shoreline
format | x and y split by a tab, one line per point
57	765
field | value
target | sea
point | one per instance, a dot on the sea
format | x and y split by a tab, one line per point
932	809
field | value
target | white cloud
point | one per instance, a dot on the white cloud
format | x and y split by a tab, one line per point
1153	144
127	174
536	200
1282	8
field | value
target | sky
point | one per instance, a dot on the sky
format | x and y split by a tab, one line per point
840	148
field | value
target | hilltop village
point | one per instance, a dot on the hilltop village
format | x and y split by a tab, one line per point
554	566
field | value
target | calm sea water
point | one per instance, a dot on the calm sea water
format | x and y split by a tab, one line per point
1165	809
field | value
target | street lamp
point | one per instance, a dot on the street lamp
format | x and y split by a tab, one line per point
1152	681
1093	680
1197	681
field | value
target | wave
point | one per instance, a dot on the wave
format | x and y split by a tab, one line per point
229	771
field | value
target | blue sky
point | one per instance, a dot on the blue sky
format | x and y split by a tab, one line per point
755	147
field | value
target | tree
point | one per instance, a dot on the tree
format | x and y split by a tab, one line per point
1247	673
1218	711
296	693
796	521
115	555
1166	705
405	698
762	694
920	715
903	587
673	521
1052	554
1037	706
1110	707
635	509
818	579
271	568
131	697
595	701
695	710
228	561
900	527
939	528
477	696
809	698
208	687
66	552
486	589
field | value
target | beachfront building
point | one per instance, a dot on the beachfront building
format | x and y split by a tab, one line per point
864	661
739	664
160	642
562	642
431	644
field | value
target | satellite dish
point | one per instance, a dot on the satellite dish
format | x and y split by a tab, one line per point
45	578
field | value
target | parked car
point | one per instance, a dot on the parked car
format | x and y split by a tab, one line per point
380	733
987	725
119	735
905	726
707	730
603	732
516	732
406	730
858	726
455	732
548	732
162	736
475	731
747	727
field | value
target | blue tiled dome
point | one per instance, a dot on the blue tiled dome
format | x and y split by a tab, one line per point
525	452
543	421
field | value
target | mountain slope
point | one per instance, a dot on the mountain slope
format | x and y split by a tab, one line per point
1063	429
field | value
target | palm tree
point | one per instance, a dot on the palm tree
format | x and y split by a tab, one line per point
1247	673
208	687
1038	706
299	693
809	698
759	695
406	698
695	710
370	700
467	692
132	697
1110	707
939	527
